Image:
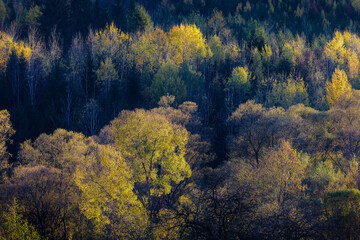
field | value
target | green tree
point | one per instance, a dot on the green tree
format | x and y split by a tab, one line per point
286	94
114	44
218	50
32	17
168	81
106	75
15	226
140	20
287	59
343	213
49	199
6	131
3	13
238	87
194	82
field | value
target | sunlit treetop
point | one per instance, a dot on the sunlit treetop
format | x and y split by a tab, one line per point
150	50
338	88
110	42
187	44
9	45
343	50
154	147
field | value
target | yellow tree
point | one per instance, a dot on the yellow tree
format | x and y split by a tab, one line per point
291	92
111	43
338	88
108	197
154	149
284	171
150	50
353	64
6	131
63	150
8	45
187	44
277	184
343	51
98	176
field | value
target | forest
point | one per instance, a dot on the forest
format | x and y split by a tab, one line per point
179	119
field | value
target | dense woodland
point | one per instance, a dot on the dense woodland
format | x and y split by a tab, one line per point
179	119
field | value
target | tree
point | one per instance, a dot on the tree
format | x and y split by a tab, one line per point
49	200
56	12
67	172
188	45
77	64
107	189
150	51
32	17
285	171
15	75
34	65
210	208
6	131
140	19
256	129
154	149
194	83
343	51
345	122
119	14
216	22
256	35
276	188
356	5
9	45
91	117
15	226
343	213
3	13
168	81
106	75
286	94
111	43
338	88
63	150
287	59
218	50
238	87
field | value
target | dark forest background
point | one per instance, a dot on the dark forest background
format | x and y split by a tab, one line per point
191	119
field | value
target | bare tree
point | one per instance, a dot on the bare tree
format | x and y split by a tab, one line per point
91	117
34	64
